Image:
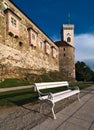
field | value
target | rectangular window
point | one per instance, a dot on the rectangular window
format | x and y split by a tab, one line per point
13	22
48	48
41	45
33	37
54	52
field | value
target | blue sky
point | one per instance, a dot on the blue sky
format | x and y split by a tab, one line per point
50	15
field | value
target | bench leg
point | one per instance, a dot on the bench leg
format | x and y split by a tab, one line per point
40	108
52	107
53	110
78	97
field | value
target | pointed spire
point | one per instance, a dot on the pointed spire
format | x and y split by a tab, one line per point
69	18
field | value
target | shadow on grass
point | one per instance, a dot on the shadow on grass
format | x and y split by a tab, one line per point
18	98
23	101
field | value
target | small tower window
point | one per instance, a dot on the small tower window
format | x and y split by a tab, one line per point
64	54
64	49
68	39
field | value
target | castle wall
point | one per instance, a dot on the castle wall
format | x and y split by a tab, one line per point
23	44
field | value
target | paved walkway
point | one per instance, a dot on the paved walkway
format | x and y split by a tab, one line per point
71	115
77	116
15	88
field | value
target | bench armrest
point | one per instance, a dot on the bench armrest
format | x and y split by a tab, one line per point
45	94
74	88
50	95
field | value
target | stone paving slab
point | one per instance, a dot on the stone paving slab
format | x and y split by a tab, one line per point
77	116
27	116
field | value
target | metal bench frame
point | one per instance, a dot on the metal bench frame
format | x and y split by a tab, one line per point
52	98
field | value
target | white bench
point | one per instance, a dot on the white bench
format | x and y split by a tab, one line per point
52	98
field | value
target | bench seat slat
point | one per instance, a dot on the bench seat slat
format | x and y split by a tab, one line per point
56	94
65	95
61	95
51	85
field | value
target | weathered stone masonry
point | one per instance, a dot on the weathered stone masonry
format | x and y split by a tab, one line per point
23	44
25	48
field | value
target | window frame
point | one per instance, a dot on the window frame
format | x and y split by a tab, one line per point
54	52
32	36
68	39
13	22
48	48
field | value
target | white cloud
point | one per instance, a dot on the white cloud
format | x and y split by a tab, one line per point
55	38
84	47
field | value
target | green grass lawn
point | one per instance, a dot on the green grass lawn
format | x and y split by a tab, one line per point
82	85
21	97
13	82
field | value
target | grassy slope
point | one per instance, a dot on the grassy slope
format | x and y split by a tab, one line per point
13	83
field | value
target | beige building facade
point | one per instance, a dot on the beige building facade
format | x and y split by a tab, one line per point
24	46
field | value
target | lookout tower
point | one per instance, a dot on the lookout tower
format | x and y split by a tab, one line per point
67	32
67	50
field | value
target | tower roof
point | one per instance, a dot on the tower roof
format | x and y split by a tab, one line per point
62	43
68	26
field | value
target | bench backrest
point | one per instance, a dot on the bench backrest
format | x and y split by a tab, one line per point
47	85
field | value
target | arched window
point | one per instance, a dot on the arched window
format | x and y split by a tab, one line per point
68	39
